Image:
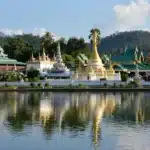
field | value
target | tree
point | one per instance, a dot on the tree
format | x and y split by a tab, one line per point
74	44
33	73
46	42
91	35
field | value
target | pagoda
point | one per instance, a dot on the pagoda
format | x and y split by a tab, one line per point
95	69
42	63
7	64
59	70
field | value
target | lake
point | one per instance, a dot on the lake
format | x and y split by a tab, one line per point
74	121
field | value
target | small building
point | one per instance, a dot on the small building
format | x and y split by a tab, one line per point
7	64
42	63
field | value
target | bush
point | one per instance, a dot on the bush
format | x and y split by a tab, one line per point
32	85
105	85
81	86
26	80
121	86
46	85
114	85
39	85
6	85
31	74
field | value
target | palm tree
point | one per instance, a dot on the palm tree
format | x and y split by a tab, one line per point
91	35
47	40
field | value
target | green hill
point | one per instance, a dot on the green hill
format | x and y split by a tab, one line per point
116	42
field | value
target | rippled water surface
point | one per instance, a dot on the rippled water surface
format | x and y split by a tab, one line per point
74	121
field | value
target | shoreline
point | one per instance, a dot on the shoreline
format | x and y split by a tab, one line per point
75	90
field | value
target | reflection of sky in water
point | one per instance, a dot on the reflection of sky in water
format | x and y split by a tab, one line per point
74	121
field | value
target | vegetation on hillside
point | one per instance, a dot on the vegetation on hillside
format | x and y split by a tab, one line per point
20	47
118	41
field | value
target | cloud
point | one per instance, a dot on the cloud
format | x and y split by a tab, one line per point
36	32
132	16
10	32
39	31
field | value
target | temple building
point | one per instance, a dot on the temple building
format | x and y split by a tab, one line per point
7	64
129	60
59	70
95	69
42	63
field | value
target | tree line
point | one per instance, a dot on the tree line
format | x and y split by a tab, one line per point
21	47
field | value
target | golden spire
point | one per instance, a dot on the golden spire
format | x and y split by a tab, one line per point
44	55
39	57
95	54
32	57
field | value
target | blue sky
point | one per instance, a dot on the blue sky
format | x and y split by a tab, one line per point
72	17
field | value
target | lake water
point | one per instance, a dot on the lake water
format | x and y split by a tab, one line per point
74	121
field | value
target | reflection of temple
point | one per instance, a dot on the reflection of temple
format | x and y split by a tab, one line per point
71	112
95	69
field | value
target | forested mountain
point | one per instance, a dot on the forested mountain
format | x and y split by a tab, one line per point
120	40
20	47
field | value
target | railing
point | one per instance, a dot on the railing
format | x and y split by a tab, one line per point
64	82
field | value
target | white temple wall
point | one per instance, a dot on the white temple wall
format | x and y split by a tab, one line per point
115	77
39	66
45	66
34	66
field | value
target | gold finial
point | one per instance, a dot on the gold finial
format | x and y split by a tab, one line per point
39	57
95	54
32	57
44	55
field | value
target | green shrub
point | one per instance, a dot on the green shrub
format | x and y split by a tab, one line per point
26	80
81	86
32	84
70	85
39	85
114	85
33	73
46	85
121	86
105	85
6	85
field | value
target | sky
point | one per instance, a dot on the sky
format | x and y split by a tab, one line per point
66	18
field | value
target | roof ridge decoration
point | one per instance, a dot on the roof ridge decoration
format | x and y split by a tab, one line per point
2	54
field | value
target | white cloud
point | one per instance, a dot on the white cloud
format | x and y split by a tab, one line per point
11	32
39	31
132	16
36	32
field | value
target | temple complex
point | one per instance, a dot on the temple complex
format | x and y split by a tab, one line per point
7	64
95	69
42	63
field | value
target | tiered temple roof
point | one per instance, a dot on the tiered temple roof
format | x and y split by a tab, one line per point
129	56
9	64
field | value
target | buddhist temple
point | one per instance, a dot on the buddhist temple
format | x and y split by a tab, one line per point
42	63
128	61
7	64
94	68
59	70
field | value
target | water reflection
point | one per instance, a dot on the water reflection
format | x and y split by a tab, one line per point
71	112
